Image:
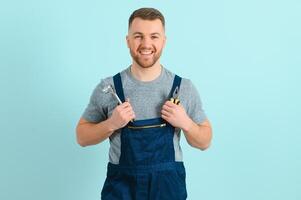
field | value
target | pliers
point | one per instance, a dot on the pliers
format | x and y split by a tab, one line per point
175	96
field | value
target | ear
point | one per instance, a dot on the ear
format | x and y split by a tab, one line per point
127	41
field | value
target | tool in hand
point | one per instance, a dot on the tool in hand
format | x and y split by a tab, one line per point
175	96
109	89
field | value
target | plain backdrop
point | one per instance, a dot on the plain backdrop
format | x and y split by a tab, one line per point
243	57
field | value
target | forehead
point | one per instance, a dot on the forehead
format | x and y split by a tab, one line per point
146	26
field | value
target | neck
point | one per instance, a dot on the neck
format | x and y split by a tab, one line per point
146	74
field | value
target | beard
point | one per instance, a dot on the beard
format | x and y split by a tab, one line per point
145	61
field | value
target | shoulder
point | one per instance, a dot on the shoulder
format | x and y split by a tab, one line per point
187	90
108	80
98	89
186	84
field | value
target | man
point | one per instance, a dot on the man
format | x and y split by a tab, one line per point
145	158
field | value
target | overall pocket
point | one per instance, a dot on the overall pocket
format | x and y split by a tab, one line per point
147	144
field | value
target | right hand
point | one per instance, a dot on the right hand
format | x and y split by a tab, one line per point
121	115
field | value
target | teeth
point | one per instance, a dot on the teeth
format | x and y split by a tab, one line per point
146	52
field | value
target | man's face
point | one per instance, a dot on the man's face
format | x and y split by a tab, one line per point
146	40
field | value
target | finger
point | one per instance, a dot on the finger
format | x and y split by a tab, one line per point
169	104
121	108
165	117
127	110
130	116
167	108
124	105
166	113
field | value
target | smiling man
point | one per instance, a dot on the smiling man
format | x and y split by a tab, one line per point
146	47
145	157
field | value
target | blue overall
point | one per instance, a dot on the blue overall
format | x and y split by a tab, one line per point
147	169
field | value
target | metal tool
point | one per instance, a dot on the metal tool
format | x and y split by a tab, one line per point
109	89
175	96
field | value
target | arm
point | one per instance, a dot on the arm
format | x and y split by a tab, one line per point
88	133
197	135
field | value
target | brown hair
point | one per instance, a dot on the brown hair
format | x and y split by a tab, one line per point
147	14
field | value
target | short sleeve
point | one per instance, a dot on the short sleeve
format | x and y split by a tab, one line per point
95	111
195	108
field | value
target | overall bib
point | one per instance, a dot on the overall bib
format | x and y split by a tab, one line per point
147	169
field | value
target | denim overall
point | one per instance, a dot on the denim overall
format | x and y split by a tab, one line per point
147	169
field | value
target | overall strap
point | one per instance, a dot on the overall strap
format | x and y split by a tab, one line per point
118	87
176	83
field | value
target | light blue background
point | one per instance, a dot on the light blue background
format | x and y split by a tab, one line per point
243	56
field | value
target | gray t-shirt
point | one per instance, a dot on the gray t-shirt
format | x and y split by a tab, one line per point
147	99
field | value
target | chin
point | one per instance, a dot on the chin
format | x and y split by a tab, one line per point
146	66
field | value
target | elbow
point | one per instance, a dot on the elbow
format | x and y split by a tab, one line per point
207	142
204	147
79	139
201	147
202	144
81	143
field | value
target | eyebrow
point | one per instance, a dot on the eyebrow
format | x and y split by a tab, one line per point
139	33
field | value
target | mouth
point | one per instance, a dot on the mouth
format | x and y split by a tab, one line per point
146	53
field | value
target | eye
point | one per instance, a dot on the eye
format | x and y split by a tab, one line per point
138	37
154	37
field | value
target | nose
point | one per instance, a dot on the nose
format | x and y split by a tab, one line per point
146	42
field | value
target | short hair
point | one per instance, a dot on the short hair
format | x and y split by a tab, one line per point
147	14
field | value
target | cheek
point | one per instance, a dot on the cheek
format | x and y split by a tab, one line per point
159	44
134	45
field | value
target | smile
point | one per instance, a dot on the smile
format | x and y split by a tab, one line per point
146	52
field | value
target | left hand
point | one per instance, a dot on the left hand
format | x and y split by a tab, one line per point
175	115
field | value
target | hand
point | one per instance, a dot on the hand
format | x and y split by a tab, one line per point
176	115
121	115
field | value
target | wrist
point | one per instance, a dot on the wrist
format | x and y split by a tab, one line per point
110	125
187	125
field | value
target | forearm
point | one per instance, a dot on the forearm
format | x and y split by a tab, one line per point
91	134
198	136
